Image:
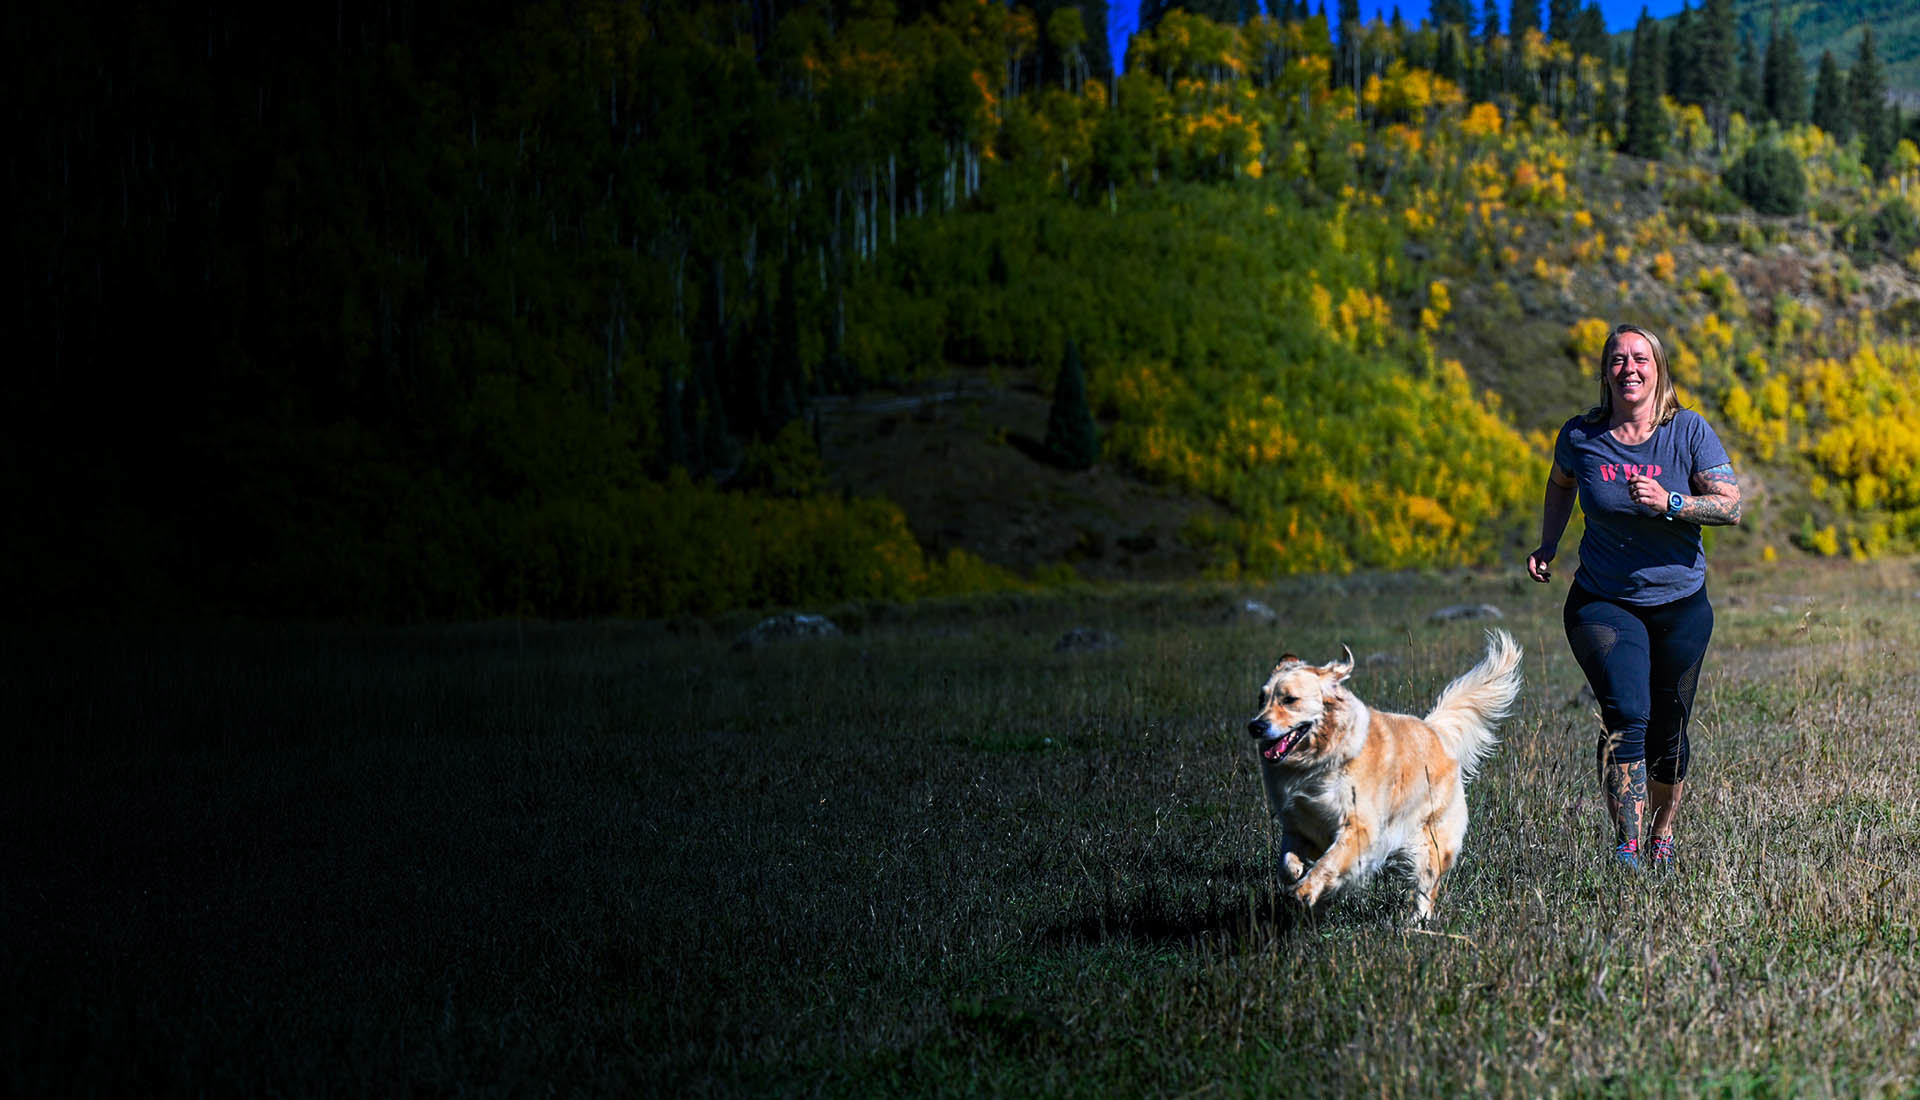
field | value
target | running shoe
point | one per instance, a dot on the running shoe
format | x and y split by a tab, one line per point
1627	854
1662	855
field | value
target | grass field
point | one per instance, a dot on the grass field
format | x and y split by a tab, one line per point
935	856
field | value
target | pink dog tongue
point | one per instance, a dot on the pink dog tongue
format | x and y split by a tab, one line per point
1280	747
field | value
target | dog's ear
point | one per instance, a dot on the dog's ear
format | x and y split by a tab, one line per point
1287	659
1340	670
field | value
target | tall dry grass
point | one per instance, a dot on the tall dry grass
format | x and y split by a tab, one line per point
935	857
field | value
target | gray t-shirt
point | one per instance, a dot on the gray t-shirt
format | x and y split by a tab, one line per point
1627	554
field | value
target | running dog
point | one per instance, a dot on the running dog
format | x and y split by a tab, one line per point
1353	788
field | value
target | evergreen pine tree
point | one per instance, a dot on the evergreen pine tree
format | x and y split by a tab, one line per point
1772	68
1715	39
1560	17
1867	93
1449	13
1646	129
789	396
1446	58
1072	439
1590	32
1099	39
712	448
1751	98
1524	16
1791	107
1683	56
1490	21
1830	111
673	427
1769	178
760	369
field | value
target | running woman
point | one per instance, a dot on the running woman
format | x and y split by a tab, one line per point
1648	475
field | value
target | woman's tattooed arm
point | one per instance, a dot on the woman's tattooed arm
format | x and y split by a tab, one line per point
1716	502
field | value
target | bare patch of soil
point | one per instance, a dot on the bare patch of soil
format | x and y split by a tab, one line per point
962	457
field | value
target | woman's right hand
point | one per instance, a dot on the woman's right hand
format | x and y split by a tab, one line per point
1537	564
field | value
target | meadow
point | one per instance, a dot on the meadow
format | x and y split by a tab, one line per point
935	856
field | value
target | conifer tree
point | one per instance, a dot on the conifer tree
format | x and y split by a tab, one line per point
1830	109
788	396
1589	37
1449	13
1523	17
1867	93
1093	14
1769	178
1072	439
1715	39
1646	130
1683	56
711	448
673	428
1751	98
1791	107
1446	56
1560	17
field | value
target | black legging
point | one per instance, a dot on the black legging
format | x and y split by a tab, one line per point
1643	663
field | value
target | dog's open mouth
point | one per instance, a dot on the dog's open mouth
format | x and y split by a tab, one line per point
1282	745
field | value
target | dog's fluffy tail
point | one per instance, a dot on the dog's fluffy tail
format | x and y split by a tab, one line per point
1470	707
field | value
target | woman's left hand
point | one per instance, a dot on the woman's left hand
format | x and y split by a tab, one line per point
1648	494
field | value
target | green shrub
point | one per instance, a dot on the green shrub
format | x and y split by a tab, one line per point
1893	230
1768	176
1072	439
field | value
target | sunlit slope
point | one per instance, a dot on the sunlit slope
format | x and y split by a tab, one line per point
1361	319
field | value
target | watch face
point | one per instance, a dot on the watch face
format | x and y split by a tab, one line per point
1673	502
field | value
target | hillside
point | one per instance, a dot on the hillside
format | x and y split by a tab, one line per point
1835	26
962	461
582	312
962	458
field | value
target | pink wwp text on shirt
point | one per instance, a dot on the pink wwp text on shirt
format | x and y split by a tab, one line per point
1614	471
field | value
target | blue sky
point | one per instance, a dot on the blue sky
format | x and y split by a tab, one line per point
1123	15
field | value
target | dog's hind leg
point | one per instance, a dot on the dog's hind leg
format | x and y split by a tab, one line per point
1433	854
1429	864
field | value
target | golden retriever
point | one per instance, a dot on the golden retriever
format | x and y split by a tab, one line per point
1353	788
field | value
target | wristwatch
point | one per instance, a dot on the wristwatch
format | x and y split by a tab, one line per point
1674	501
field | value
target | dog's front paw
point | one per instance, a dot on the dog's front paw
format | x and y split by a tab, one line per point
1309	891
1291	866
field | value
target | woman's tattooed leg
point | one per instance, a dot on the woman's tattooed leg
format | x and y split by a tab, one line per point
1626	786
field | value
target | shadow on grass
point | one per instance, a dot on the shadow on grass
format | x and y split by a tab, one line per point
1151	918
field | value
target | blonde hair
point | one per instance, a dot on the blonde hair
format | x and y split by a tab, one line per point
1666	400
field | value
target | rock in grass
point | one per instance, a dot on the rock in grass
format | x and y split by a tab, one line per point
1465	611
1085	639
780	628
1250	611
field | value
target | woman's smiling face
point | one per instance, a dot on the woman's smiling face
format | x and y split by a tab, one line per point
1632	372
